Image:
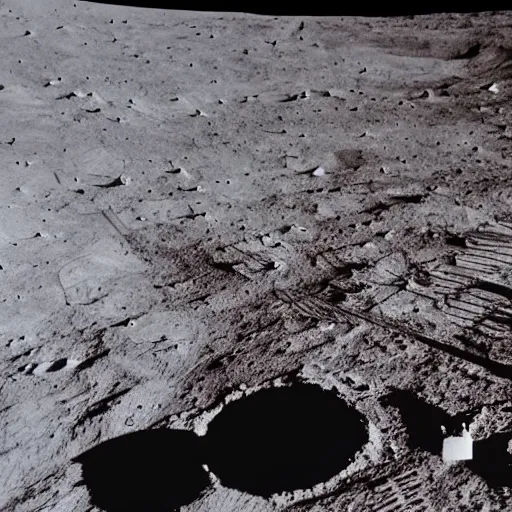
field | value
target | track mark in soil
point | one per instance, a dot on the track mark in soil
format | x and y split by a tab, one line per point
401	494
113	219
469	288
283	439
244	261
100	407
151	470
89	277
323	311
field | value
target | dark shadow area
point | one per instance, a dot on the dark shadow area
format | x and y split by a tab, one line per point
346	8
283	439
423	421
492	461
150	471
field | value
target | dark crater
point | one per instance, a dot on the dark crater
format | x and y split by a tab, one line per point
147	471
492	460
424	421
283	439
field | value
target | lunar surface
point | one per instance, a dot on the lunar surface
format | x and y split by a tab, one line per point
254	263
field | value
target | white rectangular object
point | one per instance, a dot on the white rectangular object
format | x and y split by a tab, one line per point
458	448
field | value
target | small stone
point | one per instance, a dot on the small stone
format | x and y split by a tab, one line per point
494	88
125	180
319	171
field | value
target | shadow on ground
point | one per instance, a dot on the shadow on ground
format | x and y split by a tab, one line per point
150	470
271	441
425	422
492	460
284	439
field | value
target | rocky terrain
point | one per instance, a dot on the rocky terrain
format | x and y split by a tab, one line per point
253	263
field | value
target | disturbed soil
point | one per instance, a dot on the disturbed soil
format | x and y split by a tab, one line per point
253	263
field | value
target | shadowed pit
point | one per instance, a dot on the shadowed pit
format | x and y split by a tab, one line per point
284	439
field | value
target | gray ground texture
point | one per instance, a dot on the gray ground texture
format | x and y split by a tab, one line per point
164	241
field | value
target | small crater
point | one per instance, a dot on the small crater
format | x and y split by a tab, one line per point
283	439
471	52
57	365
350	158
